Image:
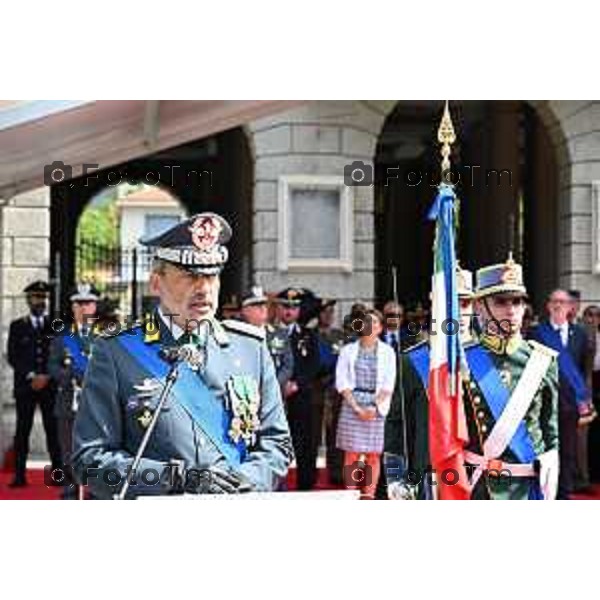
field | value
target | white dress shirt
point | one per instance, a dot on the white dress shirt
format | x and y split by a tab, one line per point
564	332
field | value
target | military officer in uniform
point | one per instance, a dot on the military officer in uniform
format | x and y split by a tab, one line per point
510	393
304	415
511	396
254	310
69	352
223	427
406	439
27	353
331	340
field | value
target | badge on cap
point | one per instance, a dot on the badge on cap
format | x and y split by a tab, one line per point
206	231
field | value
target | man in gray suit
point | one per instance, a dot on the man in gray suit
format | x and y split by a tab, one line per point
223	427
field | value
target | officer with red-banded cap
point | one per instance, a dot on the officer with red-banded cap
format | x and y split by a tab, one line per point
223	429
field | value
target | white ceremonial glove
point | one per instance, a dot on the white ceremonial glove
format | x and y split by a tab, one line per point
549	468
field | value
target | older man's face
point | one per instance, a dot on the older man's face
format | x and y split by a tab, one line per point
559	305
187	296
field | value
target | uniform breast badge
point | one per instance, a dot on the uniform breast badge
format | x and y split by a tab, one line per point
144	418
244	399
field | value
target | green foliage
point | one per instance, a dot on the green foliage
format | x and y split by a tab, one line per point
97	242
99	224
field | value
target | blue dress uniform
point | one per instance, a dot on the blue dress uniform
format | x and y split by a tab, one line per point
226	417
27	352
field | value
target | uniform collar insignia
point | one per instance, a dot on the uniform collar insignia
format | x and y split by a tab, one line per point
151	330
500	345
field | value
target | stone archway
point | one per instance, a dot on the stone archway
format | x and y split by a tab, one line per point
496	215
212	174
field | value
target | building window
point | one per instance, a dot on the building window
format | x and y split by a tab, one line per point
315	223
155	224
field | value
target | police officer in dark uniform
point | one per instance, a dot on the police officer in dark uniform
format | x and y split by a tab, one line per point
304	416
28	348
254	310
69	353
223	427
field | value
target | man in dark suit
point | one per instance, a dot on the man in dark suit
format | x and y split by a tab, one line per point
393	314
575	401
28	348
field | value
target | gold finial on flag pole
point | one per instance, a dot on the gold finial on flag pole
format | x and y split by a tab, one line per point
446	137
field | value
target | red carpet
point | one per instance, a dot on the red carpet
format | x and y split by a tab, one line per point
36	490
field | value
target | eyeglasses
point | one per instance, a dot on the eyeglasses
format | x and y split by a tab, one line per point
393	315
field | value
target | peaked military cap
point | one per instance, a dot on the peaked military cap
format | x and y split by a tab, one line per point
37	287
503	278
255	295
84	292
326	303
290	297
196	244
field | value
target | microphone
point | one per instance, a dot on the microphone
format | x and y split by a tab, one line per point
187	353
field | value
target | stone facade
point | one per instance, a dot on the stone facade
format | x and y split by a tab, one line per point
319	138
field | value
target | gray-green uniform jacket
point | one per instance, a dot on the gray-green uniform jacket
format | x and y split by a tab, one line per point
115	402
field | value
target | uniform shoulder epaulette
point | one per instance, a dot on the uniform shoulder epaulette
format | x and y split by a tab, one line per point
542	348
244	328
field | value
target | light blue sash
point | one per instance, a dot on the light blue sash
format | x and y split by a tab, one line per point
192	393
497	396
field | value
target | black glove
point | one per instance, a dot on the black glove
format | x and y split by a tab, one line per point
216	481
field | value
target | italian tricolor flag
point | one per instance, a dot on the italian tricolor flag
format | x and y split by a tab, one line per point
447	424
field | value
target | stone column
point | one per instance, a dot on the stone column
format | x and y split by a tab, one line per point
25	257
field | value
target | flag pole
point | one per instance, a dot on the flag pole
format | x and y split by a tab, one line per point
446	137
